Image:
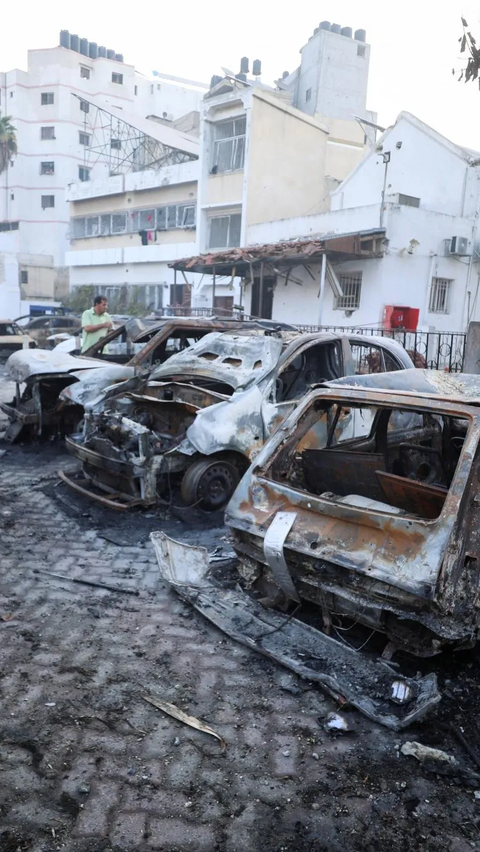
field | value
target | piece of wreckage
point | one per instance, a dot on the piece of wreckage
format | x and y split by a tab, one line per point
200	419
53	387
376	524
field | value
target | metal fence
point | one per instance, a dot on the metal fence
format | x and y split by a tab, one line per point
435	350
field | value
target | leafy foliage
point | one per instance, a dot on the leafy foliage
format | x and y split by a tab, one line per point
8	142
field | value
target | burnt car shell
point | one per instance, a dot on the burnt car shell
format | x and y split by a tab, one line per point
256	379
384	525
59	385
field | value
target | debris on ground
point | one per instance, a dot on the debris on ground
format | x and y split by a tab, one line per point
440	762
176	713
338	723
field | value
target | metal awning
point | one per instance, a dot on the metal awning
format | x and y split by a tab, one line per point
240	261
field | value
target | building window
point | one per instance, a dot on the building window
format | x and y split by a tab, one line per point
47	98
117	78
136	90
146	220
185	216
23	276
84	72
116	144
229	145
408	200
308	95
47	168
361	50
225	231
92	226
11	94
440	296
84	106
78	228
161	219
9	226
351	284
83	138
119	223
83	173
48	201
12	196
47	133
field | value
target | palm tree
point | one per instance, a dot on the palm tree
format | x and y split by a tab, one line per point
8	142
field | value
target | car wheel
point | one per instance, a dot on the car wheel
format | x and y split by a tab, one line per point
210	483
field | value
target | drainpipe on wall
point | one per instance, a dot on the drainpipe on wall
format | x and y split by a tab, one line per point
321	294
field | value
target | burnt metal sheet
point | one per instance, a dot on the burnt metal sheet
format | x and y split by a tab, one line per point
418	497
460	387
40	362
273	549
84	487
91	384
370	685
232	359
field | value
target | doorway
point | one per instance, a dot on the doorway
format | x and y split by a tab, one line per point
263	310
223	305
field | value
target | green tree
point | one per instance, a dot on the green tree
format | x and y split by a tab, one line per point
8	142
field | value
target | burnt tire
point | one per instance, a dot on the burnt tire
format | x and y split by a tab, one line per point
210	483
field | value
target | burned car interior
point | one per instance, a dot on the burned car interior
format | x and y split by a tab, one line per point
401	460
316	364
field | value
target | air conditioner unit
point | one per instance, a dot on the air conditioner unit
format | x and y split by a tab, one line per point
458	246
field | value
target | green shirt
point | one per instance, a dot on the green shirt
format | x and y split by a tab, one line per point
89	317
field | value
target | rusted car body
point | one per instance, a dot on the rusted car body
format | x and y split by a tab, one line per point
380	526
204	415
363	503
53	387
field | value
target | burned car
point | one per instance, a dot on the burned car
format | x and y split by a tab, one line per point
203	416
365	504
52	387
362	509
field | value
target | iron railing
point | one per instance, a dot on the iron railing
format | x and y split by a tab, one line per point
434	350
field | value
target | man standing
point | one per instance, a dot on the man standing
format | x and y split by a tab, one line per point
96	322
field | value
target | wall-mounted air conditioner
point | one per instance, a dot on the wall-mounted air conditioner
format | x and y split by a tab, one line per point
457	247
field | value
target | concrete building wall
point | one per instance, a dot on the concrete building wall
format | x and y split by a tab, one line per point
283	142
226	188
333	76
422	164
414	256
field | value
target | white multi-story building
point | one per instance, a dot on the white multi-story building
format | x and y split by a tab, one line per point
400	246
259	156
64	109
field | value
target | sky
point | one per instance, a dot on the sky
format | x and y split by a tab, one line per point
414	45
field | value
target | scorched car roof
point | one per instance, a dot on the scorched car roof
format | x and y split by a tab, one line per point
458	387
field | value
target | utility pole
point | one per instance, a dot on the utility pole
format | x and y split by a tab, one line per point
386	160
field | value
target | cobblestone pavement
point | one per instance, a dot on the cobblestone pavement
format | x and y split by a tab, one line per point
88	766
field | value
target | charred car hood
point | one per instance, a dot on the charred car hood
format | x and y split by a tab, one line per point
40	362
236	360
92	383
